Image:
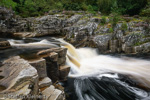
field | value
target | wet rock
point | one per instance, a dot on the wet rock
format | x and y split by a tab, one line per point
40	66
18	77
45	82
54	57
64	71
4	45
52	67
25	34
128	50
61	52
53	94
114	45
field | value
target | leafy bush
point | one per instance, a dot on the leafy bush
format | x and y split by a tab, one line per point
103	20
131	7
27	8
8	3
111	30
105	5
124	26
114	20
145	12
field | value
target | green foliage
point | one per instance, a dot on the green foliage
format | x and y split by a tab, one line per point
114	20
27	8
72	6
105	5
91	9
103	20
124	26
145	12
130	7
8	4
111	30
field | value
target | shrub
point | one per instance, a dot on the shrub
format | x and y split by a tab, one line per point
124	26
111	30
8	3
103	20
145	12
114	20
131	7
105	5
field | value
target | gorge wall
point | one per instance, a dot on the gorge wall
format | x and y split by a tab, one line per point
129	35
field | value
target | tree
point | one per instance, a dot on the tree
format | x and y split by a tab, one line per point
8	3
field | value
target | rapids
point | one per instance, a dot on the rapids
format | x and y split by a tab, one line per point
100	77
104	77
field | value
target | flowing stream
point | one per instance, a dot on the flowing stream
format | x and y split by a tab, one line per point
100	77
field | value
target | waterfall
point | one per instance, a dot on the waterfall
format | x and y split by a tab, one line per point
41	44
91	72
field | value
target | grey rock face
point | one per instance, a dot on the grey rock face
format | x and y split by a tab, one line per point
131	40
7	21
102	42
73	19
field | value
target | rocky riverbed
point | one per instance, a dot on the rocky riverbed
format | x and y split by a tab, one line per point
39	72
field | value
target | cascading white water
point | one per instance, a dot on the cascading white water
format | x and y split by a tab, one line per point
91	62
86	63
89	69
42	44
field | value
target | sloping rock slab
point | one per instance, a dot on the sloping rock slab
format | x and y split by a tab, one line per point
17	77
